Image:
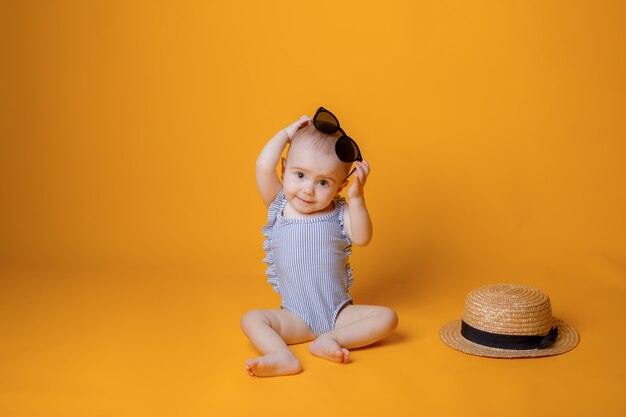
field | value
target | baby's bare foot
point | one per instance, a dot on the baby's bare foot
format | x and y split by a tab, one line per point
327	348
274	364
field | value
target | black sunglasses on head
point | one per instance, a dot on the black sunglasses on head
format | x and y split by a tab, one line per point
346	148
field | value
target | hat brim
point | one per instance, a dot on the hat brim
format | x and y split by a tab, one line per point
567	340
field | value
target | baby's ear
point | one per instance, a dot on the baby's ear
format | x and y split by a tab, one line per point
343	185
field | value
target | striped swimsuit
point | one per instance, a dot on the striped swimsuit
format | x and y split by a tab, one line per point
308	263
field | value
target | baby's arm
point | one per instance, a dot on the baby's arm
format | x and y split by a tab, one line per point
267	179
357	221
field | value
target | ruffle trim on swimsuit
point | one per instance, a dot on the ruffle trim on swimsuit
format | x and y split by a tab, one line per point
340	204
275	208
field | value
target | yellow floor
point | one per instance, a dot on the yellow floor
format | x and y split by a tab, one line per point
166	342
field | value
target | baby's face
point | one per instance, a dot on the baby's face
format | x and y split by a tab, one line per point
311	179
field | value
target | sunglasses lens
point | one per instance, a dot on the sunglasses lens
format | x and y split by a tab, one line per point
346	149
326	122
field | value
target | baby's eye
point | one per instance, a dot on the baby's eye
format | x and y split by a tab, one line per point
323	183
299	174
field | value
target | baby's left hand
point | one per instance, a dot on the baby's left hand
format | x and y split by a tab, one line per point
360	176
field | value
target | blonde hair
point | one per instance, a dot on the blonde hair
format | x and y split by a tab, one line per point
320	142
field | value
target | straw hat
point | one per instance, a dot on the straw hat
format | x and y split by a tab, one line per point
509	321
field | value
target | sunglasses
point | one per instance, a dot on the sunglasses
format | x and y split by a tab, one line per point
346	148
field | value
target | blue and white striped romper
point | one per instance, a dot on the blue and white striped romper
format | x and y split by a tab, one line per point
308	263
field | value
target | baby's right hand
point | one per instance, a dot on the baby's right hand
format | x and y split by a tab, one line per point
293	128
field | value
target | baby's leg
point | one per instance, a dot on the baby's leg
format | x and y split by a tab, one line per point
356	326
270	331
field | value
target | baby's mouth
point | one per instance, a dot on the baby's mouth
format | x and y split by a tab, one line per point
305	201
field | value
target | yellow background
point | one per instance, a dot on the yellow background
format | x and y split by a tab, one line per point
130	238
